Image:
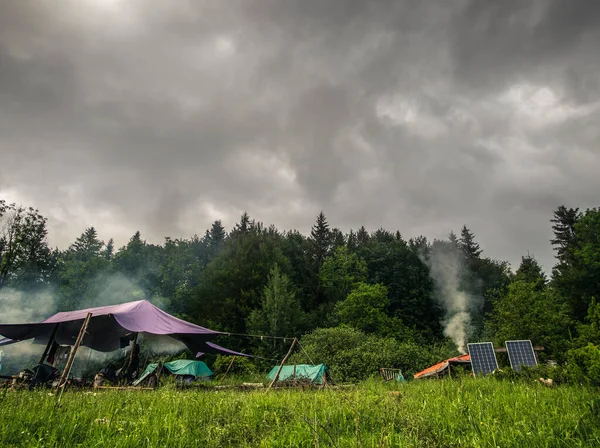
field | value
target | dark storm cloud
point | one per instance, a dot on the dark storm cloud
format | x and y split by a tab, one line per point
414	115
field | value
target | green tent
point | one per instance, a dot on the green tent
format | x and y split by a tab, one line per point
313	373
197	369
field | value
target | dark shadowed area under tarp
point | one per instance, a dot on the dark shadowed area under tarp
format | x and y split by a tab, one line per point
112	327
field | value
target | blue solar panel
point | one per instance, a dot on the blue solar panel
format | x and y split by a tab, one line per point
483	358
520	353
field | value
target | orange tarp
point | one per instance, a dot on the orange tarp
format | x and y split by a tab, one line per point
441	366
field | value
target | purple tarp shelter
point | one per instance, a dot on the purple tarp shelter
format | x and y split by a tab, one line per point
111	325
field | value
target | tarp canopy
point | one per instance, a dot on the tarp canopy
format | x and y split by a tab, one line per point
441	366
197	369
312	373
111	325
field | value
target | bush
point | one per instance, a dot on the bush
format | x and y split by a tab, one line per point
353	355
241	366
584	365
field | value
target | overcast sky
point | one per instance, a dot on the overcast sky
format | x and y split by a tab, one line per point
164	115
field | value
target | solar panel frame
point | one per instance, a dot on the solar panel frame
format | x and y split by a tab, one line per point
483	357
522	350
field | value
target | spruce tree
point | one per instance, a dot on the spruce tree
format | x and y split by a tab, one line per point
362	236
564	221
321	240
87	245
468	245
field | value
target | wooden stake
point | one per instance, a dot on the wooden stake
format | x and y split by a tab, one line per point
78	341
282	363
227	371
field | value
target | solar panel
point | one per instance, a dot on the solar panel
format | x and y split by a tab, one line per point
483	357
520	353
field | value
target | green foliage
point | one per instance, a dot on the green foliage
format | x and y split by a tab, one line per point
410	287
528	313
364	309
376	283
341	272
280	313
240	366
468	245
590	331
353	355
231	285
26	261
473	413
81	267
577	272
583	364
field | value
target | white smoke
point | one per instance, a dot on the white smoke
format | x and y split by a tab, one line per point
446	269
20	307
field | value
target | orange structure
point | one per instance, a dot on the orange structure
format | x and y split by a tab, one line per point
441	366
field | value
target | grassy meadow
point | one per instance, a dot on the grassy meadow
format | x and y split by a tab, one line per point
430	413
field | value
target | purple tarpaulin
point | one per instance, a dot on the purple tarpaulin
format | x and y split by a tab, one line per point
109	325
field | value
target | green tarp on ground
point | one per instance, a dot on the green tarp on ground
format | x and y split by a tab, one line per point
312	373
197	369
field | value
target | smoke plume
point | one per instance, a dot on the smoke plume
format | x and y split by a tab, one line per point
446	266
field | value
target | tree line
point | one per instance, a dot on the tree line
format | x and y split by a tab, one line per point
358	290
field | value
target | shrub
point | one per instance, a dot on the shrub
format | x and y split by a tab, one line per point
241	366
353	355
584	365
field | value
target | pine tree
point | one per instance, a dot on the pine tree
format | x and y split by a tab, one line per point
453	239
382	236
217	234
468	245
337	238
242	227
530	271
109	249
87	245
362	236
321	240
352	241
564	233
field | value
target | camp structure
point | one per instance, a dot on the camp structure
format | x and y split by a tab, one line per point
443	366
110	328
303	373
185	369
113	327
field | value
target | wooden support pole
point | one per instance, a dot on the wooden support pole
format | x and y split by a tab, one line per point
46	351
49	345
63	379
282	363
227	371
125	371
135	337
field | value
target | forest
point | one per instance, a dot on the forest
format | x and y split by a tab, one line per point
357	301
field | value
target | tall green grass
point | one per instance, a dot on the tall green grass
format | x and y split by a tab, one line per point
429	413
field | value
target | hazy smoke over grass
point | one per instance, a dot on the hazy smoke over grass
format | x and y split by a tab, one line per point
446	269
21	307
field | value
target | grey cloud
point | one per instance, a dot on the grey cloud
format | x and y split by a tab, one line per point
420	116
